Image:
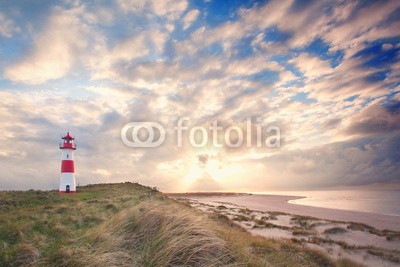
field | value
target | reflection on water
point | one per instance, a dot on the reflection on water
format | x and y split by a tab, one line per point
376	201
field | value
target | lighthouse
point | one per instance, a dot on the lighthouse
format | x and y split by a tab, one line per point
67	177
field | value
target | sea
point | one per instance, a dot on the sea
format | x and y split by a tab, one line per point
382	201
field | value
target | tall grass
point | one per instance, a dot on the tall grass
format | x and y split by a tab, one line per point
154	234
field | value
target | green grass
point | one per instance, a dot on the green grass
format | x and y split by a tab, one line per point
123	225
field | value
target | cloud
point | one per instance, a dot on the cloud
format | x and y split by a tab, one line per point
124	53
190	17
376	119
63	42
203	159
7	26
171	9
206	183
349	78
134	6
312	66
365	25
331	123
102	172
349	163
256	16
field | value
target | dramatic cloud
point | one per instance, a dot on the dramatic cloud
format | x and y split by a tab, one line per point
65	41
325	72
376	119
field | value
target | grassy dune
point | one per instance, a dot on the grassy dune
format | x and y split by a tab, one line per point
131	225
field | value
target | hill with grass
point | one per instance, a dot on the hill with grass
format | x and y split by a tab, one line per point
128	224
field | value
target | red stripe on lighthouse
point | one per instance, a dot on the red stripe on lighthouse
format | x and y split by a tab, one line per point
67	166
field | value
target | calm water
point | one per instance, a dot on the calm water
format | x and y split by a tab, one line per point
376	201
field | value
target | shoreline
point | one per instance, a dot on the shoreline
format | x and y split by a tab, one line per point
368	212
280	203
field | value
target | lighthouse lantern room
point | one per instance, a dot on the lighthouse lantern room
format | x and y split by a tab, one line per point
67	177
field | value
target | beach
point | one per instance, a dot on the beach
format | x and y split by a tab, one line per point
280	204
368	238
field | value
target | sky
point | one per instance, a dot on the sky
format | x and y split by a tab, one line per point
325	73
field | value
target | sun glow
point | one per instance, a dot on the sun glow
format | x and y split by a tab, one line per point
214	169
198	171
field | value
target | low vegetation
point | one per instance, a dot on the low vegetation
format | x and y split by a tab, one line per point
390	235
131	225
335	230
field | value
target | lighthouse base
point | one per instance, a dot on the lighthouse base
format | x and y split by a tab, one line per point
67	183
65	192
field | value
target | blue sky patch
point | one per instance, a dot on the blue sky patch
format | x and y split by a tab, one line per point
321	49
376	56
303	98
273	34
266	77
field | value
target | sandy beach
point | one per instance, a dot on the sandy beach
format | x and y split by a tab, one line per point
367	238
280	203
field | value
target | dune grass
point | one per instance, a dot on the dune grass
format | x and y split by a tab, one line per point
335	230
131	225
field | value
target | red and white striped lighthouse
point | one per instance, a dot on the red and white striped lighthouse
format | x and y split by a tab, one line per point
67	178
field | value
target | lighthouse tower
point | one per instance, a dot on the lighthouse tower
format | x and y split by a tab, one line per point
67	178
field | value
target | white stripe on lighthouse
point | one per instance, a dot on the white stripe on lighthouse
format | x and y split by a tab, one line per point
67	178
67	154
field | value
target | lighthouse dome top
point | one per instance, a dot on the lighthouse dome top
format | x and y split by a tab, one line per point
68	137
68	142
